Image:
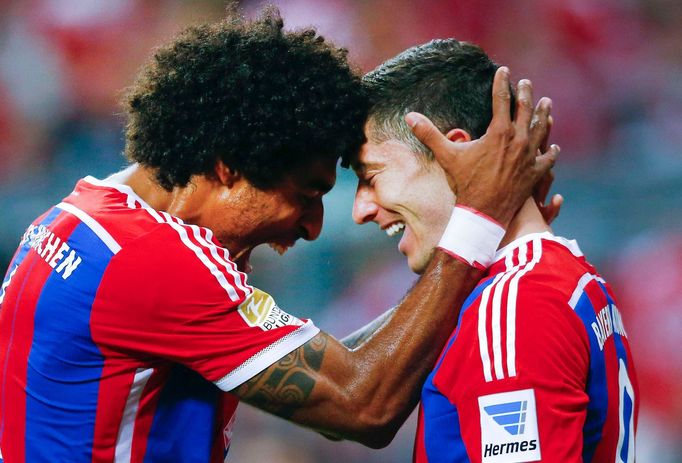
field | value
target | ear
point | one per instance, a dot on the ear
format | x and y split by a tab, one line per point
458	135
225	174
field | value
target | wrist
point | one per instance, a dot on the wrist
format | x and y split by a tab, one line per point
472	237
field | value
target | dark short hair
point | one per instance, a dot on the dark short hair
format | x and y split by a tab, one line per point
446	80
263	100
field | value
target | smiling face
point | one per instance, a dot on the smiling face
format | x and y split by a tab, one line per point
403	192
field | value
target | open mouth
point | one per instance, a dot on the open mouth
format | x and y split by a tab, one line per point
242	261
279	248
394	228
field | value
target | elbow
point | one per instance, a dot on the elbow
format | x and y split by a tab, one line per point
378	441
377	428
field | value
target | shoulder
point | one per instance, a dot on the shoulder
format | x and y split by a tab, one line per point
522	312
180	255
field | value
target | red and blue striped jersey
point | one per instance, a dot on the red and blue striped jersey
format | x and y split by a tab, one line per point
538	369
121	329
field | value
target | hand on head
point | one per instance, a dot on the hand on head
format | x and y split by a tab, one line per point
496	173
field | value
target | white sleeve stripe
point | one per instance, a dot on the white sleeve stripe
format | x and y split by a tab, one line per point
580	288
509	260
124	440
132	201
93	225
509	278
268	356
511	306
239	277
206	245
497	322
154	213
482	334
242	280
219	276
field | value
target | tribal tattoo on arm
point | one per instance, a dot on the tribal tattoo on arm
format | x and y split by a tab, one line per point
284	386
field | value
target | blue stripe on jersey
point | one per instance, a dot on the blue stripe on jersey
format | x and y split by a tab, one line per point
442	435
622	355
184	426
467	303
24	248
596	384
64	365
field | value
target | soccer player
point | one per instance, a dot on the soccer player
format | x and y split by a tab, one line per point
539	367
128	328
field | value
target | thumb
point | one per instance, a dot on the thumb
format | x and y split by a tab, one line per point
426	132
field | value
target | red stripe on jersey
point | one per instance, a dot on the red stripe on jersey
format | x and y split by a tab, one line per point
419	450
146	412
227	406
30	278
112	395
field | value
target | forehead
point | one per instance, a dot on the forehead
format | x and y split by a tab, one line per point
382	153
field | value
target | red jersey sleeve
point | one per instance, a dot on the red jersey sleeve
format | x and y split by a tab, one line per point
516	374
174	295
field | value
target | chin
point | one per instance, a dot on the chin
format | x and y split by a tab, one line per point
418	262
417	267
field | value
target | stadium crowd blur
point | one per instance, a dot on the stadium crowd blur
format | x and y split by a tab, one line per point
612	67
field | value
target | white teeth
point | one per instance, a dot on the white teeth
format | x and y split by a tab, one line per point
280	249
395	228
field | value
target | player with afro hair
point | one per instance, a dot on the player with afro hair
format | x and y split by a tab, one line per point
225	91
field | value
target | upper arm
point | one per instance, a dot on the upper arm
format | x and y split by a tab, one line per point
205	317
310	386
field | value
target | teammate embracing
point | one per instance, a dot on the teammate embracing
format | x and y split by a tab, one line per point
539	367
128	328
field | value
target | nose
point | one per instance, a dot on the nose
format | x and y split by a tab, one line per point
365	208
312	221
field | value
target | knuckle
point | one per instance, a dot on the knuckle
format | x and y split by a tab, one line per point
524	103
503	95
521	141
537	123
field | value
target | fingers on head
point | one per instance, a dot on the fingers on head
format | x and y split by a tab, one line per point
541	124
425	131
501	96
545	161
524	103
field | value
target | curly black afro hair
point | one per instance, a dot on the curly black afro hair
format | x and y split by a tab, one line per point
261	99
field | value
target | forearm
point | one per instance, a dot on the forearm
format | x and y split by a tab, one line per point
390	368
367	393
362	335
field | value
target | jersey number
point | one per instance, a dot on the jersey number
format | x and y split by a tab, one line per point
625	452
6	283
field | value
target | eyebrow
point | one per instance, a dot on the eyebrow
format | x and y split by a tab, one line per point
362	167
